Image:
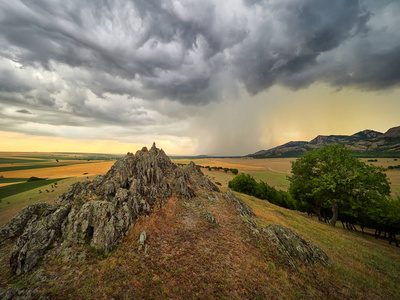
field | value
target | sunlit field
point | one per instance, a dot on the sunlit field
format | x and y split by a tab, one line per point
16	168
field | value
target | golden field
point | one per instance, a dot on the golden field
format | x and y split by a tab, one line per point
273	171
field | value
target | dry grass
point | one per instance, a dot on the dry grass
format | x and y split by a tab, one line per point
72	170
190	258
364	268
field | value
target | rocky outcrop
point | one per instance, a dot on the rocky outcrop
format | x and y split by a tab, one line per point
17	224
294	246
288	243
99	213
95	215
243	209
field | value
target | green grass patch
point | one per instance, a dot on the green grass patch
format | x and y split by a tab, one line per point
11	180
29	167
5	160
14	189
275	179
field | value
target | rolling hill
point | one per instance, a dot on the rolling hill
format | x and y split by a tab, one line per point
366	143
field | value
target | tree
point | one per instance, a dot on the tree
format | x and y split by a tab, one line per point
333	177
243	183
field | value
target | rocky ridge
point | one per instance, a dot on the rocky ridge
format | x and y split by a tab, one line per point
98	214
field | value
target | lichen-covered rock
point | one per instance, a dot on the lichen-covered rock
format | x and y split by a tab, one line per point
210	218
39	234
142	240
294	246
241	207
199	178
99	213
19	294
17	224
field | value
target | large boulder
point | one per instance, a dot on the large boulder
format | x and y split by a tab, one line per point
294	246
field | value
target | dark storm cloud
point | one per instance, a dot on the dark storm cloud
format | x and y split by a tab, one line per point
174	49
23	111
115	62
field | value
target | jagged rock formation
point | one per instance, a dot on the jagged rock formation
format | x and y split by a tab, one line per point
364	143
99	213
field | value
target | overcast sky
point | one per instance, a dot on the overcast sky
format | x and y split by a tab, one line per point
198	77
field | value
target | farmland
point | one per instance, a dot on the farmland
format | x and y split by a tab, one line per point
78	167
61	168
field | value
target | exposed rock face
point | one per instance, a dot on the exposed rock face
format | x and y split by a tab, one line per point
294	246
99	213
17	224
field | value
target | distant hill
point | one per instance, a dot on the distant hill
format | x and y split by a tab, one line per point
366	143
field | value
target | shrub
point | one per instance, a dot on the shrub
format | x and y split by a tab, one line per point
33	178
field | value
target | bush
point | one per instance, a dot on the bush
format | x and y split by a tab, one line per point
33	178
244	183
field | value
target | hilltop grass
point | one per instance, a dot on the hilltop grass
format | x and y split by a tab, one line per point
191	259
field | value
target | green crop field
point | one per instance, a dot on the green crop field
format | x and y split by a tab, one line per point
5	160
10	180
29	167
13	189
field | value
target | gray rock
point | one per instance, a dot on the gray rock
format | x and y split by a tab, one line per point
100	213
17	224
36	240
210	218
294	246
241	207
142	241
18	294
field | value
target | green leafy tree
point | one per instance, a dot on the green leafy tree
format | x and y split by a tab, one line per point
243	183
333	177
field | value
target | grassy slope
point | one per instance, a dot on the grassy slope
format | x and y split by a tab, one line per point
363	266
190	258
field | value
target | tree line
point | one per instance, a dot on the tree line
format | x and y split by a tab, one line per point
335	185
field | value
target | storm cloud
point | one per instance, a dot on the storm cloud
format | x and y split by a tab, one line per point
147	65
